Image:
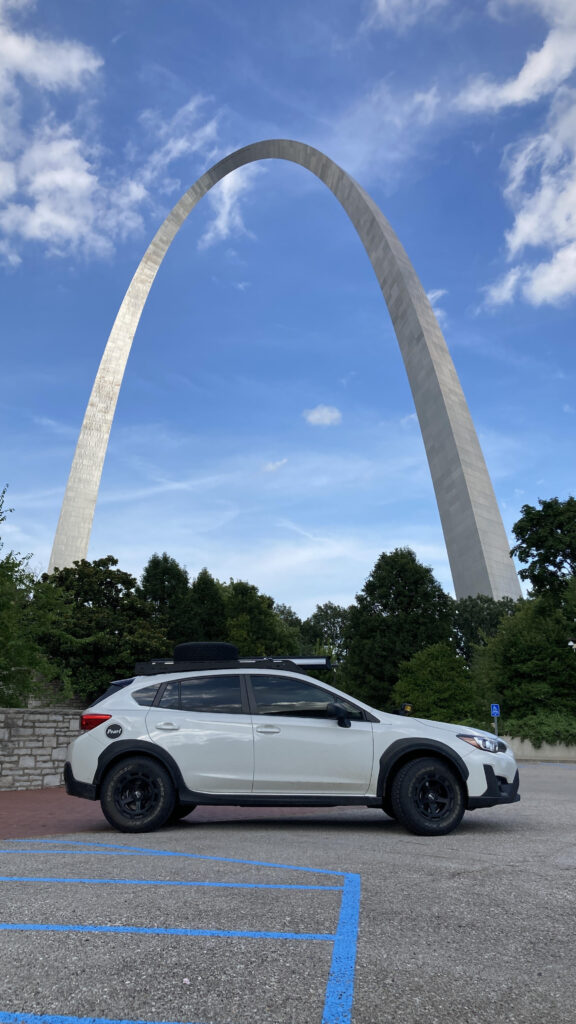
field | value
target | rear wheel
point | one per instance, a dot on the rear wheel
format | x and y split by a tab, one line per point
137	795
427	797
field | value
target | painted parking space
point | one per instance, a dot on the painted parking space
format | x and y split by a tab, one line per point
215	940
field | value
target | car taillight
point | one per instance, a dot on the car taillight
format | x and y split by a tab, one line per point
88	721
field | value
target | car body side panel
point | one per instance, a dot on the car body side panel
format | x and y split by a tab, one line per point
311	755
215	752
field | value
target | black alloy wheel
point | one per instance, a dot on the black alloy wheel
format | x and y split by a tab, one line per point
137	795
427	797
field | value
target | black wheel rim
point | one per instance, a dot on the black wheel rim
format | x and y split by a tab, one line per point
137	794
434	796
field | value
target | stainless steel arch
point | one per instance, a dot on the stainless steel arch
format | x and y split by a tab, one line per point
475	538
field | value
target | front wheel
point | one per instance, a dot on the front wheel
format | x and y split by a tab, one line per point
427	797
137	795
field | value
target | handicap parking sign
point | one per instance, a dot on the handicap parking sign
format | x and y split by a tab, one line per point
495	710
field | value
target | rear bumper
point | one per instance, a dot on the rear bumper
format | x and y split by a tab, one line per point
76	788
498	790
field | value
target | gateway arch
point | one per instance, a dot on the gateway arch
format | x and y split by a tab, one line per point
475	538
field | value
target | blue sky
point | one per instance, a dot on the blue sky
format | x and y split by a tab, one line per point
265	428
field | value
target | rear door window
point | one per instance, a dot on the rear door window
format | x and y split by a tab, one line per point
221	694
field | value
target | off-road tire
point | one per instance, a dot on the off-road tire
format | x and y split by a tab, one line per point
427	797
137	795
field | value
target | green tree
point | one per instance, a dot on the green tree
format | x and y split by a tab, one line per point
208	616
400	610
476	619
290	630
436	681
252	623
93	626
326	629
24	671
165	586
528	666
546	545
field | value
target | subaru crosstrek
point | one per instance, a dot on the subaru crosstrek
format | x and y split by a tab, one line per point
209	728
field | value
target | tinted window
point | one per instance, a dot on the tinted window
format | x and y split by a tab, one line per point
215	694
171	696
278	695
146	695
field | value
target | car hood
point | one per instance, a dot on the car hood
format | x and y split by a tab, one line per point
455	730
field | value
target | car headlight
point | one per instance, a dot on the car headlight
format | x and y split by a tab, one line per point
490	743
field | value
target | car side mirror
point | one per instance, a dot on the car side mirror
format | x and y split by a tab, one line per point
337	711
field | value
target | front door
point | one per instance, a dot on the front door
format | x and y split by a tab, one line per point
299	749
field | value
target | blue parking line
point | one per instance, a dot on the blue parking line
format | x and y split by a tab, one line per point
340	988
340	985
143	851
118	929
48	1018
146	881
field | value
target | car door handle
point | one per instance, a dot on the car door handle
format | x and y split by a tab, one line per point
167	726
267	729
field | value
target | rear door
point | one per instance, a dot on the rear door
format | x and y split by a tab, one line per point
204	723
299	748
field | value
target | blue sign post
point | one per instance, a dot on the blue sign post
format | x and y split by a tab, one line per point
495	712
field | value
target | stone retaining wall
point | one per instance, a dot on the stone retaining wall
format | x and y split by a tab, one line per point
33	744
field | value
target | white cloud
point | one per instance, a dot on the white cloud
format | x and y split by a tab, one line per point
55	191
504	291
434	297
323	416
553	281
42	62
376	135
272	467
543	71
400	14
541	190
541	169
224	200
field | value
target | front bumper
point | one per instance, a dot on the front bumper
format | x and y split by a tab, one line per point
498	790
76	788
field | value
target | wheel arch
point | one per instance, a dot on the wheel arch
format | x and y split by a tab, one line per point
402	751
124	748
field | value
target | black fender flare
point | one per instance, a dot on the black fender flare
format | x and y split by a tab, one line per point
123	748
405	750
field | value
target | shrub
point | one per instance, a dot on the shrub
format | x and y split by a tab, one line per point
542	727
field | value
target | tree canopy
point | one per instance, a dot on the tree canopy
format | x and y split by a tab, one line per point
93	626
165	587
400	610
436	681
546	545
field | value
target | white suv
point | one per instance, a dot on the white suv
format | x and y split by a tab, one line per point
210	728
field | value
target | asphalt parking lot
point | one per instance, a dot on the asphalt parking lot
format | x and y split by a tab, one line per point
299	917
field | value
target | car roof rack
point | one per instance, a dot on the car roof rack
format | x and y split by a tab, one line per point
161	666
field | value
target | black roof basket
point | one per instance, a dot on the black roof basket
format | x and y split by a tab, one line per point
198	657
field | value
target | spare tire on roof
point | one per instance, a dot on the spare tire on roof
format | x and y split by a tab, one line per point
205	652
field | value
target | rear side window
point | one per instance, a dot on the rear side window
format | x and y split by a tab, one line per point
211	694
146	695
113	688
